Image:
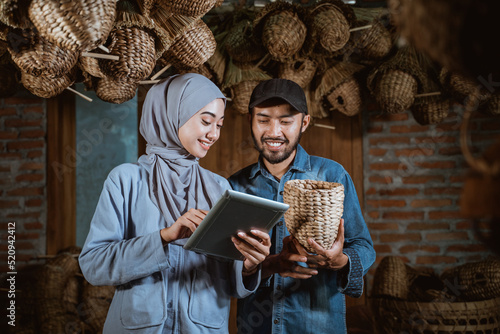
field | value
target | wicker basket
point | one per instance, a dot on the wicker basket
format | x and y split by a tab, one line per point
48	87
91	66
240	43
476	281
77	25
300	70
430	109
373	43
241	93
95	305
194	47
395	91
43	58
315	211
391	279
189	7
330	26
283	34
461	87
136	49
393	316
114	91
492	105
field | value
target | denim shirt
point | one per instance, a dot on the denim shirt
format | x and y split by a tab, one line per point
315	305
159	289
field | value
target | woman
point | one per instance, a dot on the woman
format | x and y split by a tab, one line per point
146	210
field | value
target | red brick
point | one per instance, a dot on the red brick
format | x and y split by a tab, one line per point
383	226
4	204
423	203
438	139
436	164
371	191
23	100
377	152
386	117
428	226
411	152
447	127
399	192
374	214
419	248
443	191
19	123
380	179
447	236
35	154
456	178
33	109
450	151
15	216
375	129
25	192
408	129
444	215
25	145
32	166
435	259
406	215
389	140
8	134
465	225
27	236
388	166
32	134
8	111
10	156
33	226
33	202
382	249
466	248
386	203
396	237
422	179
29	177
24	245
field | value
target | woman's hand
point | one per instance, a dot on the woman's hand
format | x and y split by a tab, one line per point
184	226
255	248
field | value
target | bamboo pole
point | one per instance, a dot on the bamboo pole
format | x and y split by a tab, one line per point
428	94
324	126
100	55
361	28
79	94
160	72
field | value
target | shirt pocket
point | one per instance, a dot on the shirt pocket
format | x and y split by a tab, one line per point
208	303
143	302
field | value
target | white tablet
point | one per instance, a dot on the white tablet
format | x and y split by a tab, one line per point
234	212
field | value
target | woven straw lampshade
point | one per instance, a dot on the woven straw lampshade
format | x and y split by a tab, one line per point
115	91
79	25
240	43
194	47
40	57
281	28
14	13
331	21
48	87
300	70
316	208
340	90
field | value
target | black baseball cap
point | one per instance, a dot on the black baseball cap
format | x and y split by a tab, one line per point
284	89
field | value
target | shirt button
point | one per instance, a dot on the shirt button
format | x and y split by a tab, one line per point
281	193
280	223
276	321
278	287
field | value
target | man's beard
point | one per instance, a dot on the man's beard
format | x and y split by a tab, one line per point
276	157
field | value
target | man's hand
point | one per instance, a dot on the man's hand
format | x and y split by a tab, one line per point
285	263
184	226
333	258
255	248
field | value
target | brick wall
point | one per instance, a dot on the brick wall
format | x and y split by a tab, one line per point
22	176
413	178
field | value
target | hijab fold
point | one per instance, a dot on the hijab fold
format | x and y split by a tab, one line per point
177	182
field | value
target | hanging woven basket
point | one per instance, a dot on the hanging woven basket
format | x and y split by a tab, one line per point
136	49
430	109
461	87
48	87
331	21
300	70
194	47
14	13
241	93
373	43
395	91
77	25
189	7
43	58
114	91
91	66
95	305
316	208
241	45
391	279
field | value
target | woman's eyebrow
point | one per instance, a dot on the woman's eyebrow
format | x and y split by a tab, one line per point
210	113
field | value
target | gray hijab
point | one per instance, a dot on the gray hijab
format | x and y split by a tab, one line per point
177	182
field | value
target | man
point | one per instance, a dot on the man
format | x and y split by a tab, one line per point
300	292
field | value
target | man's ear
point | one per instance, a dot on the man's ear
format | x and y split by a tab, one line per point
306	120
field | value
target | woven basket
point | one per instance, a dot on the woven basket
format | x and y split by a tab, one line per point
393	316
315	211
91	66
430	109
330	26
391	279
136	49
14	13
475	281
300	71
217	65
77	25
283	34
461	87
95	305
346	98
194	47
240	44
241	93
395	91
189	7
43	58
115	91
373	43
316	110
48	87
492	105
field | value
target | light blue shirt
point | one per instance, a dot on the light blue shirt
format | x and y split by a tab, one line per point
158	289
316	305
